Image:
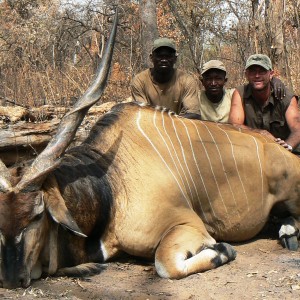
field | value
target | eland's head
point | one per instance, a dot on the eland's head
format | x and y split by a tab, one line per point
30	200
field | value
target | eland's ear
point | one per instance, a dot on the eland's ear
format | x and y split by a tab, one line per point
56	206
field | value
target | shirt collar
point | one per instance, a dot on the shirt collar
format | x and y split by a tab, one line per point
248	94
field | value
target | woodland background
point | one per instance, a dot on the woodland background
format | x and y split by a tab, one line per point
48	53
49	50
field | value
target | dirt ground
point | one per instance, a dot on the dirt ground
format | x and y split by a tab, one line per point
262	270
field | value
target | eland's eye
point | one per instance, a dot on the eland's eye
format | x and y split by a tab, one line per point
37	217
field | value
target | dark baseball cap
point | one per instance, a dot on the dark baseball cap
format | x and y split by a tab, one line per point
213	64
259	60
163	42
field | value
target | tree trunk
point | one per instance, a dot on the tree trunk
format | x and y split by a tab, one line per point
254	24
149	31
274	26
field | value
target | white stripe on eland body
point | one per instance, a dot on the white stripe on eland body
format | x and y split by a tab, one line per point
192	149
161	157
201	177
208	159
281	151
236	167
199	172
175	152
261	175
183	154
211	168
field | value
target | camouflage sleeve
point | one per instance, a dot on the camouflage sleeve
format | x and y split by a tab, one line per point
137	90
190	101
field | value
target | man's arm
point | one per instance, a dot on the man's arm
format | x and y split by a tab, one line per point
137	92
190	102
237	113
292	116
237	116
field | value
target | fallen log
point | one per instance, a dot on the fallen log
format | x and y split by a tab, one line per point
22	140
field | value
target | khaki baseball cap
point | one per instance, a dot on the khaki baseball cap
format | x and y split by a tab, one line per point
213	64
259	60
163	42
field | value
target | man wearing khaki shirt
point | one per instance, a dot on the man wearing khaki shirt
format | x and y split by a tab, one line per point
164	85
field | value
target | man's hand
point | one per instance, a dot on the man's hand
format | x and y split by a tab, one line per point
284	144
278	87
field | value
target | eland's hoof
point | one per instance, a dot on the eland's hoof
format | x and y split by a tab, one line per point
288	235
290	242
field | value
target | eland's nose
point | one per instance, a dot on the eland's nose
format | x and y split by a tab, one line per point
12	283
